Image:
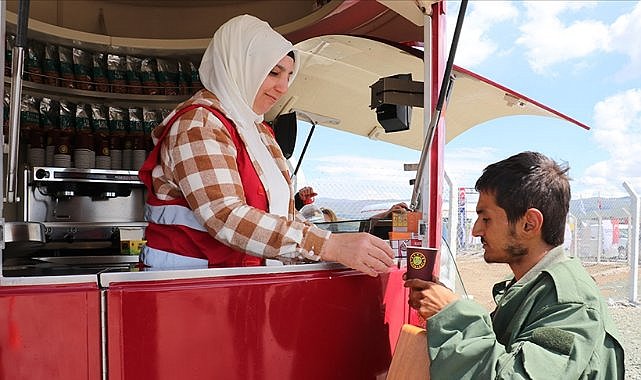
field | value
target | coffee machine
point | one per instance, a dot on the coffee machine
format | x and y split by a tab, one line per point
84	216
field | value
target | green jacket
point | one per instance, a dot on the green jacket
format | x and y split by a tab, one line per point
551	324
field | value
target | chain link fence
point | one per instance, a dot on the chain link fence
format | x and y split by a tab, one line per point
597	230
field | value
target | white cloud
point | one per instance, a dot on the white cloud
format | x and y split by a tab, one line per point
549	40
358	177
475	45
617	126
624	38
617	130
555	33
359	167
465	165
546	34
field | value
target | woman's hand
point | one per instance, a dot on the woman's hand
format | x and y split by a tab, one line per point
360	251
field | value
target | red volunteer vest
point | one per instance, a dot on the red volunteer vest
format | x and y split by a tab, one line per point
186	241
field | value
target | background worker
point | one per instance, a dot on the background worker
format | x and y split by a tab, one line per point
329	215
550	321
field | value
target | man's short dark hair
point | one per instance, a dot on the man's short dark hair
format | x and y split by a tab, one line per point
530	180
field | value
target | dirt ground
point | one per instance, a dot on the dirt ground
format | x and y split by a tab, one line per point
478	278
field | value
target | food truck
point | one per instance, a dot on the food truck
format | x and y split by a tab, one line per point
85	81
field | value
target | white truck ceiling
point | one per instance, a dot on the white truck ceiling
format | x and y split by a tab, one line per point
336	72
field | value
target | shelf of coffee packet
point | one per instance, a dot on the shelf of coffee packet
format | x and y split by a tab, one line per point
108	98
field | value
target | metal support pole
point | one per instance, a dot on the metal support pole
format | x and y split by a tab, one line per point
16	92
633	238
423	170
3	36
440	102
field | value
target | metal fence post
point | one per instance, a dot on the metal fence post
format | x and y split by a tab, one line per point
633	237
628	256
599	237
451	215
574	224
448	260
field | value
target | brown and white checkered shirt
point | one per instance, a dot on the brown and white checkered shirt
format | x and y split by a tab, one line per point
198	162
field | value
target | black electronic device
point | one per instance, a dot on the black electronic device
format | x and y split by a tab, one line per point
285	129
394	118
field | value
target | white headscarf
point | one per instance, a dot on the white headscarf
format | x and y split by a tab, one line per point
238	59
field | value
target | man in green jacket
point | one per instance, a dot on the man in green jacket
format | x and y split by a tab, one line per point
550	321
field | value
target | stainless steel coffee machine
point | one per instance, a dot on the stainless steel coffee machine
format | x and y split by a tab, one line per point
82	214
82	203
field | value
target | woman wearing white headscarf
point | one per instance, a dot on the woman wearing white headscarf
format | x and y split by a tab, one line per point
219	190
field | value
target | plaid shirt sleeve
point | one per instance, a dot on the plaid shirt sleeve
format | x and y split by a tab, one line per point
198	160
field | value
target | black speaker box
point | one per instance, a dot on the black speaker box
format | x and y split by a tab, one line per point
393	118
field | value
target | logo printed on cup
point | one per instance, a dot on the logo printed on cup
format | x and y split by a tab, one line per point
420	262
417	260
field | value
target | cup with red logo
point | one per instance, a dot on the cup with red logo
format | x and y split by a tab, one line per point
420	262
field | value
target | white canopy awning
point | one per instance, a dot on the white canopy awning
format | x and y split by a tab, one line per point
333	87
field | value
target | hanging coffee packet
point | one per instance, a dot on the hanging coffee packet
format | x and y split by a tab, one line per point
82	68
116	73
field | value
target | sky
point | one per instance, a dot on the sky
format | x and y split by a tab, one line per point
581	58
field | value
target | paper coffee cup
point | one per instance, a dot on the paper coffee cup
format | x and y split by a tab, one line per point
116	159
36	156
420	262
127	157
62	160
103	162
84	158
49	152
138	159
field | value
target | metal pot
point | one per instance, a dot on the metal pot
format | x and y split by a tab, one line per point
23	238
